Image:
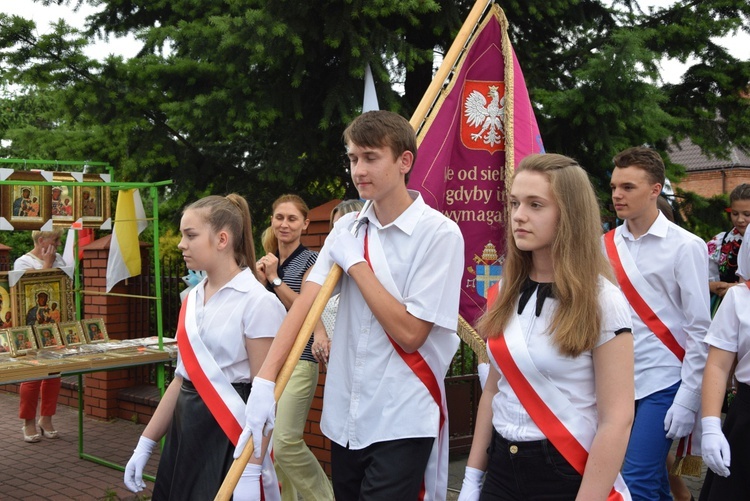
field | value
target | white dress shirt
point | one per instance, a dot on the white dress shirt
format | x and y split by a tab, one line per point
675	263
730	329
241	309
574	377
371	394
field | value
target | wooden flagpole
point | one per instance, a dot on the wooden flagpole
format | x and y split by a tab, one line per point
316	310
449	62
465	331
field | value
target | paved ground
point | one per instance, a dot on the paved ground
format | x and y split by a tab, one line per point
51	469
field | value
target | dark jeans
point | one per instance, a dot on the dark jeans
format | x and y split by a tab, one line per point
532	471
388	471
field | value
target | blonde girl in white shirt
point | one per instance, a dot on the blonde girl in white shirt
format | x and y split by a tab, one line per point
557	299
236	319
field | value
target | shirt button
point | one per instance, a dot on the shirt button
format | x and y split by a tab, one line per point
513	449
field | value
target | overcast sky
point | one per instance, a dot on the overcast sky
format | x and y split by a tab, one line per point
739	45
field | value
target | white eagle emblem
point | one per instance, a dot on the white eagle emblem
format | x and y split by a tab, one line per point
489	116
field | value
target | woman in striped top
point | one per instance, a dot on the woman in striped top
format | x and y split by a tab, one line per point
283	269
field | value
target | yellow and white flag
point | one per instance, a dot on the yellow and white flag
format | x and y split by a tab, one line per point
124	250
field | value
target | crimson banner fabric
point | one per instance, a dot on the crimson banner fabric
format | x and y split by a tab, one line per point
480	127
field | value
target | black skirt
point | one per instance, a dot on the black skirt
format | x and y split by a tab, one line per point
197	454
737	430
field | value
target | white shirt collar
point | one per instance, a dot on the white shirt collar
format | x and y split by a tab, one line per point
658	228
408	219
241	282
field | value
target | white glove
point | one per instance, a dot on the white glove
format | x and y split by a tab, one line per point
679	421
472	484
714	446
484	371
260	411
134	469
347	251
248	487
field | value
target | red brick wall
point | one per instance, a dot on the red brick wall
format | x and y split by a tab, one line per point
714	182
124	319
317	230
122	315
313	238
314	438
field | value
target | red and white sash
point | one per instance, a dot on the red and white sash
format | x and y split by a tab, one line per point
215	390
645	301
429	364
547	406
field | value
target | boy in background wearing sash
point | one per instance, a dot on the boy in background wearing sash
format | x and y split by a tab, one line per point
554	417
663	271
384	405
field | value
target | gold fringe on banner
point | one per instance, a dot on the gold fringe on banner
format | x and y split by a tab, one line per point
676	469
469	336
688	465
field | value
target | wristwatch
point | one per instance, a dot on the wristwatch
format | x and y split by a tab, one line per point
276	282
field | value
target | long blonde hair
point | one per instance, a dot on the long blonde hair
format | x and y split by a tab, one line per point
577	257
233	213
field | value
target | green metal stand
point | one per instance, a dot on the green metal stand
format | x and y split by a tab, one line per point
153	192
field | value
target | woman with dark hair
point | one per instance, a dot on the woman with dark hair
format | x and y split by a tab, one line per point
724	247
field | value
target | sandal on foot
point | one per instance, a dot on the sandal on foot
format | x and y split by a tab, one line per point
30	438
48	434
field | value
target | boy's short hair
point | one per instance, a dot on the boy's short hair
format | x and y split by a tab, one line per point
376	129
645	158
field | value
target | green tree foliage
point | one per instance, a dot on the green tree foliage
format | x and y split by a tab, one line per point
705	217
252	96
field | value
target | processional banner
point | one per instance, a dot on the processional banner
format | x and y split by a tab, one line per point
480	126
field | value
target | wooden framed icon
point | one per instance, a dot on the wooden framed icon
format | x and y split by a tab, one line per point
7	318
43	297
25	206
23	339
71	333
6	346
94	330
93	204
47	336
62	202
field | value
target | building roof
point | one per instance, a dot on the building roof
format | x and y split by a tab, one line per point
689	154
